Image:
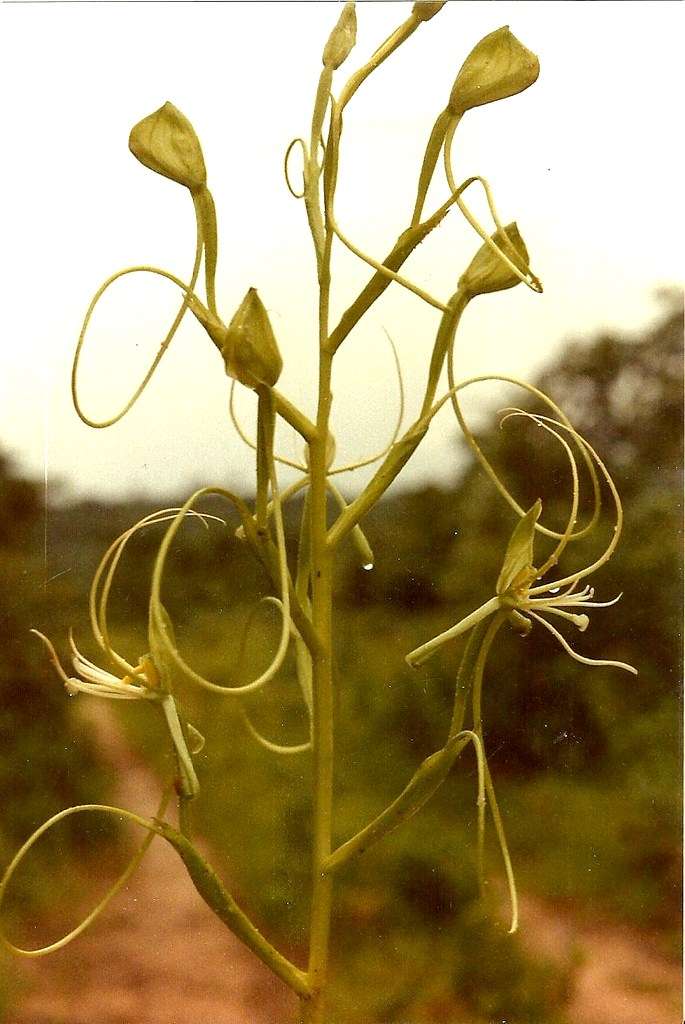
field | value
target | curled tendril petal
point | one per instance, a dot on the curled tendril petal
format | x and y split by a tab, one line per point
452	396
616	533
156	617
286	171
526	276
108	563
596	662
112	891
556	554
188	293
270	745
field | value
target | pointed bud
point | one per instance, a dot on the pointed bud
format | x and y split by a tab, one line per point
166	143
498	66
487	272
250	350
424	11
342	39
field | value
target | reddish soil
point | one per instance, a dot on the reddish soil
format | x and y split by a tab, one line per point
621	978
158	955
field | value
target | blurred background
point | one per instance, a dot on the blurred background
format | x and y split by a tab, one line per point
586	761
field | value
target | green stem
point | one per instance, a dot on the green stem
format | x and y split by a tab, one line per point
322	677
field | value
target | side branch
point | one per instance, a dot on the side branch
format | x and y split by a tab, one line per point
427	779
403	248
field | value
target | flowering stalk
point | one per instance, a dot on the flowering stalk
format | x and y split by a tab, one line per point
498	67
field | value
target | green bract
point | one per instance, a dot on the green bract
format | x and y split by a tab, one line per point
498	66
166	143
487	272
250	349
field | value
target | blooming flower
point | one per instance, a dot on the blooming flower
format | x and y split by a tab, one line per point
141	684
146	680
519	591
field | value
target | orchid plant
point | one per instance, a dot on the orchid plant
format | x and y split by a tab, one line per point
525	595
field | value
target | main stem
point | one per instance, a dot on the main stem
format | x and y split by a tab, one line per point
322	599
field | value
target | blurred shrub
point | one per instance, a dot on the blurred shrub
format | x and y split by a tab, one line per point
48	761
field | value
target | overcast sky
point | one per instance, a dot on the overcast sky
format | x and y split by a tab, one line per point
588	162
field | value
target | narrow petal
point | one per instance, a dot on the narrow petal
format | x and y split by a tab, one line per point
70	684
579	657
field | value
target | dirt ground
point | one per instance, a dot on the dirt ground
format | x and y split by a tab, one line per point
136	966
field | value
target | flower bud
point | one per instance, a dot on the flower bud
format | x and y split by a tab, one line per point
498	66
342	39
487	272
249	349
424	10
166	143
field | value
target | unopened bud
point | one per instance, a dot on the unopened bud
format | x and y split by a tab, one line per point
166	143
250	349
342	39
424	11
498	66
487	271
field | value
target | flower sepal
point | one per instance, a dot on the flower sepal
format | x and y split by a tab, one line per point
250	348
165	141
488	272
497	67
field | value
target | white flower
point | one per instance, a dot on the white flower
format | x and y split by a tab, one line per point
141	684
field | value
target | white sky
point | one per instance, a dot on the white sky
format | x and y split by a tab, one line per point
588	161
